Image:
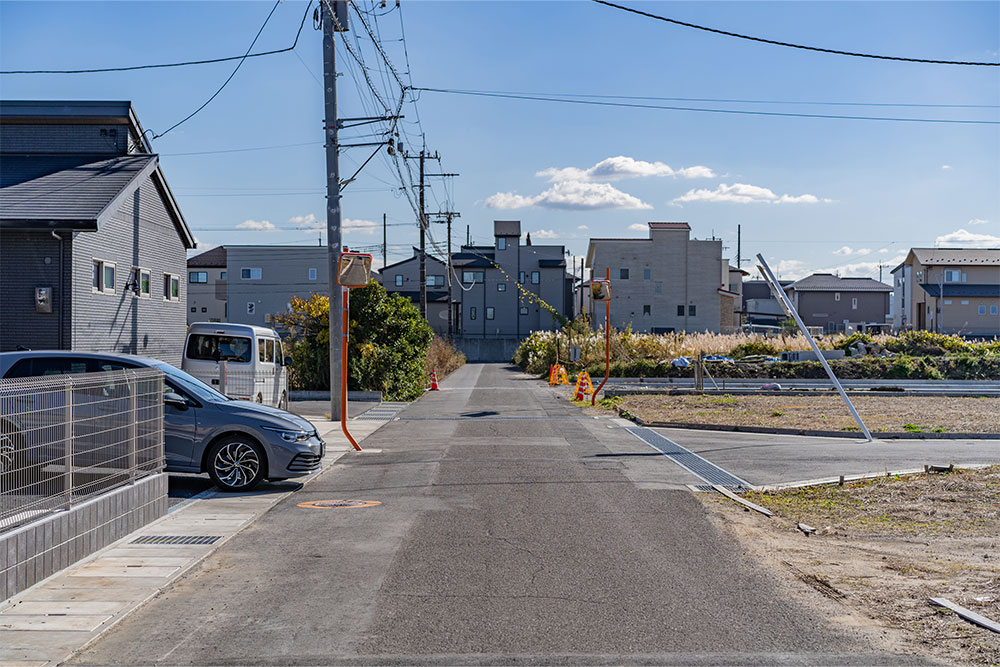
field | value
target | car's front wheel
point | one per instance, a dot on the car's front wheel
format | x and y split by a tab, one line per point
236	463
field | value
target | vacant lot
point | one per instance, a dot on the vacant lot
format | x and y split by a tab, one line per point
884	547
825	412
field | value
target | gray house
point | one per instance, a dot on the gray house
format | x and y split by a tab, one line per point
92	242
207	286
261	280
403	278
837	304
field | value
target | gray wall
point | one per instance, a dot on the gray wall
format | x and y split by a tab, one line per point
141	234
822	309
207	301
30	260
284	274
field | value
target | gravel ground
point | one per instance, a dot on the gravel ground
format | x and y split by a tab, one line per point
885	546
827	412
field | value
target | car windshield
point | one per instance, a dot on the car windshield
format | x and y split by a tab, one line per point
192	384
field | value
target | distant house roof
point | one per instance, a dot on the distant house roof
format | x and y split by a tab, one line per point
960	256
506	228
963	290
214	258
468	259
670	225
827	282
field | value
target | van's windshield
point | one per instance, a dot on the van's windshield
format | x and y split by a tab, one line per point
214	347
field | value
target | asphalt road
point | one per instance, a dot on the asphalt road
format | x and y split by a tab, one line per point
511	529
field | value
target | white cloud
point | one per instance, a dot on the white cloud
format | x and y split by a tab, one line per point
546	234
864	251
883	250
571	195
742	193
946	166
257	226
845	250
791	269
363	226
308	222
638	227
963	239
978	221
619	167
583	227
866	269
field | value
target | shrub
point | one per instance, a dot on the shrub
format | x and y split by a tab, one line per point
752	347
442	357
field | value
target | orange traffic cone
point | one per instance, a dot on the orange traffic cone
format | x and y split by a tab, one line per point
434	381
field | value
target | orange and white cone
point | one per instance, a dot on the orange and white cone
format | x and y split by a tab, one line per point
434	381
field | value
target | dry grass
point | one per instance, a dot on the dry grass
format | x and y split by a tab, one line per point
443	358
826	412
884	547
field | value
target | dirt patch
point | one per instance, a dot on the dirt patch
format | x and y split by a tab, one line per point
928	414
885	546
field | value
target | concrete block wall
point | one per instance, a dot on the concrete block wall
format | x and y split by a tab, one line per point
35	551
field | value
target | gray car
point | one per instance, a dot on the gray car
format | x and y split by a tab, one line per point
238	443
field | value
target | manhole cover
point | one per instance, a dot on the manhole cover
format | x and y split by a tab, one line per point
337	504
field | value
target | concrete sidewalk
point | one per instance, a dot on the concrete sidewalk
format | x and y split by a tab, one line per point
49	622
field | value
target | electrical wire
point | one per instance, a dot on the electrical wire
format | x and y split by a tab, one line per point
230	78
745	112
243	150
163	65
789	44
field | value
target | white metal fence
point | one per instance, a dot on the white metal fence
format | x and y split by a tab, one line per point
67	438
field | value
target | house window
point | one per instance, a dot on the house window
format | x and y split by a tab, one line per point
490	311
647	274
141	282
501	243
501	287
623	274
472	312
197	276
193	309
204	310
854	303
680	311
312	274
251	307
536	277
982	309
104	277
993	310
965	302
171	287
435	281
691	310
250	274
836	296
222	275
95	279
947	302
658	288
399	280
524	310
952	276
520	277
472	276
646	310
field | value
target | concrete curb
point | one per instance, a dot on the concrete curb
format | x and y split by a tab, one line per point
324	395
888	435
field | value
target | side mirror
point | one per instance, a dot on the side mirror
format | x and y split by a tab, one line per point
288	361
175	400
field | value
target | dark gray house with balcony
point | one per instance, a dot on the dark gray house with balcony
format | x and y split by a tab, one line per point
92	242
838	304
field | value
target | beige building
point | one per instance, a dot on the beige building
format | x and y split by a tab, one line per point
948	290
667	282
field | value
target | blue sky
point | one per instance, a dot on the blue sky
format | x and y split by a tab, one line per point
810	194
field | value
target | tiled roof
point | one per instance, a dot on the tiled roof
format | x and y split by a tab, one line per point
827	282
66	191
214	258
960	256
961	290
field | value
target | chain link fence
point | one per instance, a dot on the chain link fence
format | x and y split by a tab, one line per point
67	438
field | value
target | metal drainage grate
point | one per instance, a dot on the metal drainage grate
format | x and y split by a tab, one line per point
177	539
382	412
687	459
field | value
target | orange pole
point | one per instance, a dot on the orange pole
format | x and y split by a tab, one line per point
607	344
346	317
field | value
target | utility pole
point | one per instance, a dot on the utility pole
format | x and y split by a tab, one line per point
448	215
739	247
385	252
334	19
468	236
422	156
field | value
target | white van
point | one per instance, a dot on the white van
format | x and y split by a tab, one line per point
239	360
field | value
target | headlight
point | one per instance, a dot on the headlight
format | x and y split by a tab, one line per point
289	435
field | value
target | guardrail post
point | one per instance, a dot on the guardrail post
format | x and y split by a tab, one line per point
68	443
133	427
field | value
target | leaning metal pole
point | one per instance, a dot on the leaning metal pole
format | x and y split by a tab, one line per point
789	309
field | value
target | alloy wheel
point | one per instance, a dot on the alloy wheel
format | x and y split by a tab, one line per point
237	464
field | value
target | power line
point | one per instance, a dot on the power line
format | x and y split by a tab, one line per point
243	150
230	78
163	65
745	101
789	44
744	112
